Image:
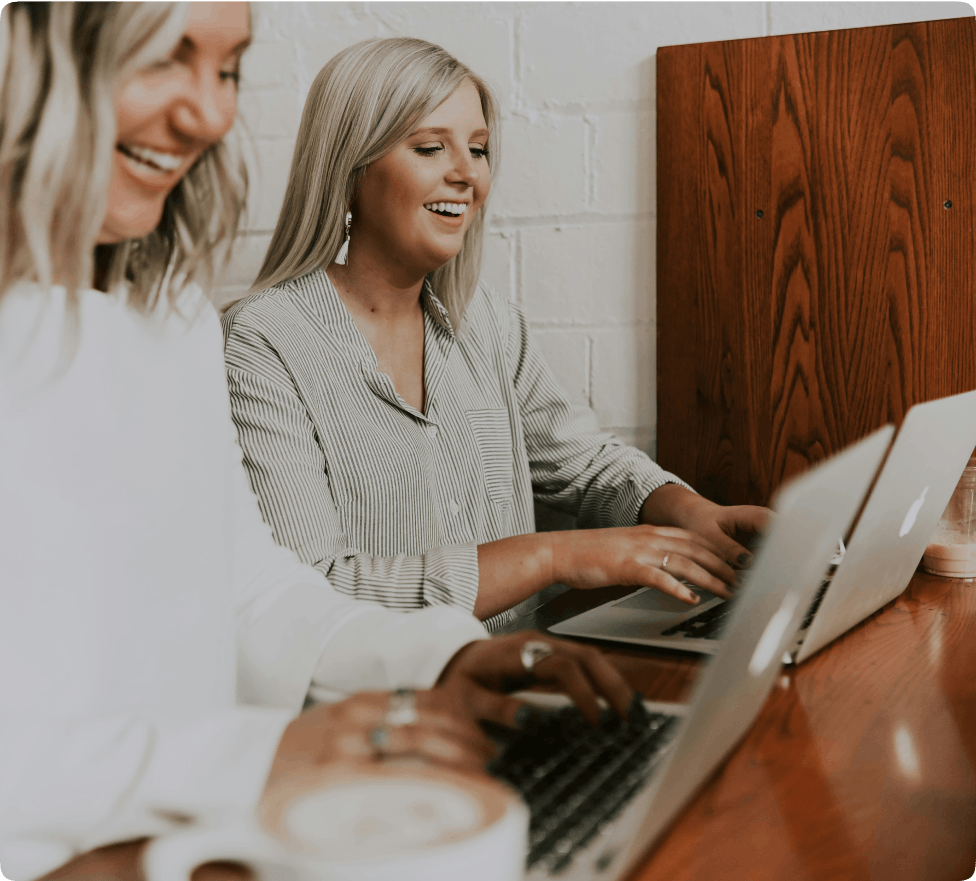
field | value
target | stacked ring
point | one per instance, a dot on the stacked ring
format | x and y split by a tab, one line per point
401	709
534	651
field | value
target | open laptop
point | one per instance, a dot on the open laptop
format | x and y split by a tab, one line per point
595	813
911	492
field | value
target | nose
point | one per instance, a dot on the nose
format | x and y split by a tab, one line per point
206	109
465	170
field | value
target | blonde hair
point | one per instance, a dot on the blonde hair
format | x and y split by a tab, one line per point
365	101
61	66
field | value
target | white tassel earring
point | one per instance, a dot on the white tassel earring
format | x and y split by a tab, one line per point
343	256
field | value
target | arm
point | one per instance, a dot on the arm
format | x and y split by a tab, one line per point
289	473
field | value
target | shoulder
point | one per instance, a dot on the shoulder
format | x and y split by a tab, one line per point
258	313
488	312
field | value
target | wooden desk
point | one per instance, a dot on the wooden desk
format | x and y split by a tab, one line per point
861	765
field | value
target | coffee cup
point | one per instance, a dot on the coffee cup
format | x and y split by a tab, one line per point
378	824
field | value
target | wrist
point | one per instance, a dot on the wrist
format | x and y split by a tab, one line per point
669	505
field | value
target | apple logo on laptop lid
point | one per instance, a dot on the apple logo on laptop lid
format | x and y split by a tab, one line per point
909	520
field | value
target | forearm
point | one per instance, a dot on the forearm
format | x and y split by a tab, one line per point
668	505
513	569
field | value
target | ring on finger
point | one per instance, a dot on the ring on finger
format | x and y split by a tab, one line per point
534	651
401	708
379	738
664	562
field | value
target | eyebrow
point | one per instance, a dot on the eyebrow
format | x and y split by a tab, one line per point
446	131
187	43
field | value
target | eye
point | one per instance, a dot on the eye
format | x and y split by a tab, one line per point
479	152
233	76
428	151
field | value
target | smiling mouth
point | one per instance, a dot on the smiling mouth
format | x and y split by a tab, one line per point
164	163
447	209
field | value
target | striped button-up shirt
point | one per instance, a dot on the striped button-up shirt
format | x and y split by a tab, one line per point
389	502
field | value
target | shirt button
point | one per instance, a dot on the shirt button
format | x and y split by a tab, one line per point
455	508
432	430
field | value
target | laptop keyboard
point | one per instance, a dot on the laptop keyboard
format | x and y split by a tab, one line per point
708	624
575	778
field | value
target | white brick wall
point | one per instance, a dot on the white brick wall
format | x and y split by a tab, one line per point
572	229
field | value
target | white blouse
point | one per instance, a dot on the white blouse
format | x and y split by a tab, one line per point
154	640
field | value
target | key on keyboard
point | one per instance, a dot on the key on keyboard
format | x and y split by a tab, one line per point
575	778
705	625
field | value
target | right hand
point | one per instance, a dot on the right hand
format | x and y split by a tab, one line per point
633	556
339	734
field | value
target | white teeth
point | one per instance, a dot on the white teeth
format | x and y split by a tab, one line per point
162	161
456	208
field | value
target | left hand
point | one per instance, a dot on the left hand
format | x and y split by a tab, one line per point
728	527
476	677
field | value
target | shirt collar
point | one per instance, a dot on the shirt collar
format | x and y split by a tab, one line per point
436	309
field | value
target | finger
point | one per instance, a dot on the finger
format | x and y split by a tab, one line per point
690	571
436	745
492	706
566	672
606	679
697	553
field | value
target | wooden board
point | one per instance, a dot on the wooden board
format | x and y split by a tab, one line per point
816	244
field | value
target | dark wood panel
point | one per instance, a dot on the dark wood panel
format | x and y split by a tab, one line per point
812	283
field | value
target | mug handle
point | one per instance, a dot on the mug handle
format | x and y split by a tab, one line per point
174	857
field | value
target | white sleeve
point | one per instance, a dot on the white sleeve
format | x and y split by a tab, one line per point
296	632
70	786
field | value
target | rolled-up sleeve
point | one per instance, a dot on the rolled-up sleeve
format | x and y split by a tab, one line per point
290	475
574	466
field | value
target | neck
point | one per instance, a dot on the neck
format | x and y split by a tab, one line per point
382	292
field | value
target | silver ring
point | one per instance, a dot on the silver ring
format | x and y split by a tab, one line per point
378	738
401	708
534	651
664	562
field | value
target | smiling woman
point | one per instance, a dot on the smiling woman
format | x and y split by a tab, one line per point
397	418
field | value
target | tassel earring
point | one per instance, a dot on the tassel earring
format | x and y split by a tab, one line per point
343	256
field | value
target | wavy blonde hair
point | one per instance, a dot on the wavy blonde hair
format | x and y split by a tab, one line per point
61	67
363	103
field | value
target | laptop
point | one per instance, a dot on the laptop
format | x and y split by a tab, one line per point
912	490
598	801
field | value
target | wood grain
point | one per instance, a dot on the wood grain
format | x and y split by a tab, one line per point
812	285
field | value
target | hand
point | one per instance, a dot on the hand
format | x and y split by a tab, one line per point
123	862
477	676
640	556
339	734
727	527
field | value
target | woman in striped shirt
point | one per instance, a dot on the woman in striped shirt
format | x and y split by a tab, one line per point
396	417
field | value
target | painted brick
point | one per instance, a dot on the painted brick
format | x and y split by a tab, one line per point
567	354
624	377
498	263
248	254
267	65
542	167
268	175
596	274
624	163
274	113
594	52
792	18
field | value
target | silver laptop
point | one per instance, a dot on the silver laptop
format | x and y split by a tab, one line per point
911	492
582	843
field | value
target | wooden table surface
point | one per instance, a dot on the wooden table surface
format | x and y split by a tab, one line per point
861	765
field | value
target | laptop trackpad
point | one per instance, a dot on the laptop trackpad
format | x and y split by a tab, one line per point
663	603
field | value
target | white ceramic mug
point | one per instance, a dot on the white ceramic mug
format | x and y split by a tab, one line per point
405	823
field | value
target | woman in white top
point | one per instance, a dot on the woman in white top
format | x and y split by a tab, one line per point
156	645
396	416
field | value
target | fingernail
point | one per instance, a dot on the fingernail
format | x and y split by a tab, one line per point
744	559
636	710
693	598
523	715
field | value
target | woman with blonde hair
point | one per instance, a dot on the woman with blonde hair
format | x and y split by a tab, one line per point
396	416
156	645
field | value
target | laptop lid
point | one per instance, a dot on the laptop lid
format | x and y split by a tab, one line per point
931	450
811	513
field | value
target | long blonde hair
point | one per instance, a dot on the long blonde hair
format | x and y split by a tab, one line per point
61	65
365	101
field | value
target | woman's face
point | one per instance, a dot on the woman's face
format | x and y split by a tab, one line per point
169	113
417	202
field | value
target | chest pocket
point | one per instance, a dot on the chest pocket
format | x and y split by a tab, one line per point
493	436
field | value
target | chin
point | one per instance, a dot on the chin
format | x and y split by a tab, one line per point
116	230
